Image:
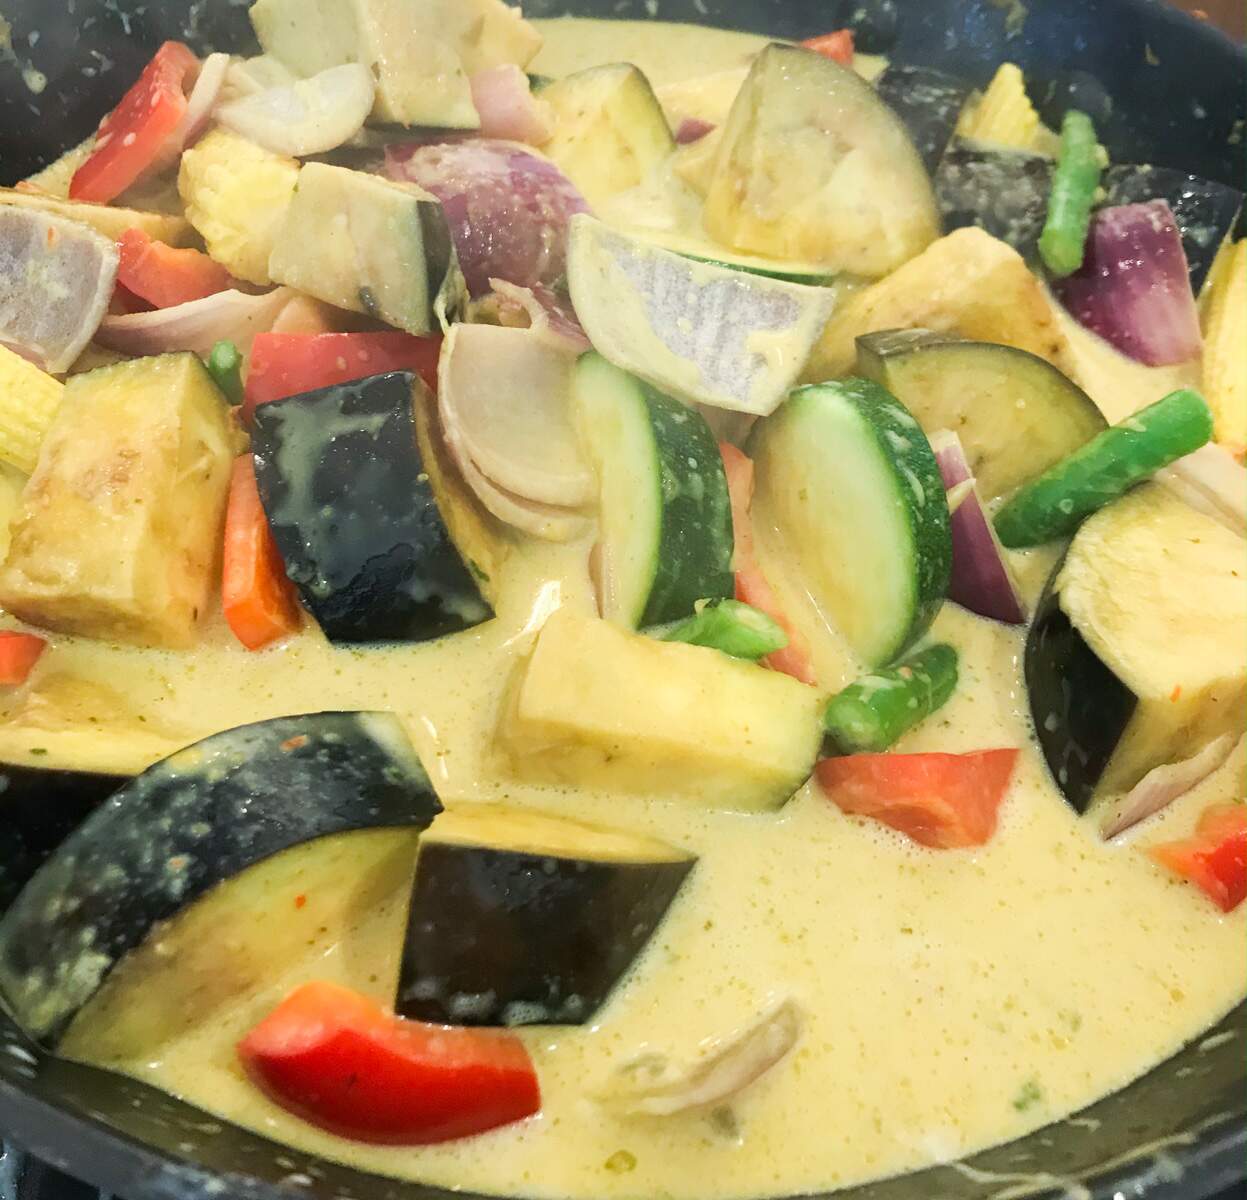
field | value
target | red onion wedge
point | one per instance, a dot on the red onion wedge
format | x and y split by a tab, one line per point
507	107
56	281
539	308
693	129
198	326
1134	288
1162	786
981	581
508	208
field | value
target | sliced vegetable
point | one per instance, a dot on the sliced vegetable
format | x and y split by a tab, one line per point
1225	350
340	1061
1074	184
658	719
1056	503
968	283
508	209
982	581
224	364
18	654
29	399
548	314
198	325
1004	114
288	364
56	279
873	714
1134	289
786	186
507	107
665	514
1014	414
609	129
1161	786
368	548
309	116
521	918
945	801
702	249
1126	663
929	102
837	46
752	586
1001	190
201	104
653	1086
259	601
166	277
135	136
695	330
236	195
1215	859
367	245
1206	212
110	220
730	627
872	537
505	401
115	538
189	823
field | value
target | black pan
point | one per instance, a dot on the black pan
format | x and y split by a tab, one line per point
1163	89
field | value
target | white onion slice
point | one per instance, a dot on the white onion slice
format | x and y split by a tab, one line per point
507	107
203	100
56	281
198	326
310	116
652	1086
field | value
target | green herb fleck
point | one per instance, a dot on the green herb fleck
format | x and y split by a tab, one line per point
38	750
621	1162
1029	1095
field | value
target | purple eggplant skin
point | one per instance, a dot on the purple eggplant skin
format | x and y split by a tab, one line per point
353	513
1002	191
1205	212
928	102
1079	706
187	824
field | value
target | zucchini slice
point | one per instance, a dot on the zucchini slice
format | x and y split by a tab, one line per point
521	918
352	508
1131	663
189	823
598	707
852	483
1016	415
666	538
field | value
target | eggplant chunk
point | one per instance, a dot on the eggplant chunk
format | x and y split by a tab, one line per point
185	825
1131	661
521	918
118	532
658	718
929	102
355	516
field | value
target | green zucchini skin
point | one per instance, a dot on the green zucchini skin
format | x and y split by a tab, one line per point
1080	708
192	821
505	936
1056	503
354	515
843	529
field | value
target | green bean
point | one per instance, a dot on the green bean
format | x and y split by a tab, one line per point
1063	242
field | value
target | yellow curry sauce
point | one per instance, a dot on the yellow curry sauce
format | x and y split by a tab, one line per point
952	999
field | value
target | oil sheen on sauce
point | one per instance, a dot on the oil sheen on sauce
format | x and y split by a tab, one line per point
952	999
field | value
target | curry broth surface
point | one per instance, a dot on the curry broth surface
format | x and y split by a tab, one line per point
952	999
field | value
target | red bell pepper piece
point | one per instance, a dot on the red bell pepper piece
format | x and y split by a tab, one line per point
132	136
940	800
342	1062
752	586
1215	859
837	45
163	276
259	600
18	654
288	364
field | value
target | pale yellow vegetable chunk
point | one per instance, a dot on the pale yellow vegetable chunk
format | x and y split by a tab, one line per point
1005	116
117	534
29	399
1225	348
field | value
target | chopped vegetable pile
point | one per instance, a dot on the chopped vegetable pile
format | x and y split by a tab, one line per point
802	457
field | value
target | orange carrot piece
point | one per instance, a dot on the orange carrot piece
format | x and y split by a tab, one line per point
18	654
837	45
